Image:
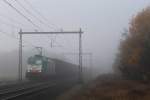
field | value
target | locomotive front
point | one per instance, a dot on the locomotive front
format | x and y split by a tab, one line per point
40	67
34	67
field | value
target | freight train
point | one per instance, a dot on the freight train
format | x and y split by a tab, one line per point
41	67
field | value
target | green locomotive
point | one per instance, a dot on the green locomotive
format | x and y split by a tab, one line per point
41	67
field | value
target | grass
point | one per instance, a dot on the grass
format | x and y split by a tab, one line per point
115	90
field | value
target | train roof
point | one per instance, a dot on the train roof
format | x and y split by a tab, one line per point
53	59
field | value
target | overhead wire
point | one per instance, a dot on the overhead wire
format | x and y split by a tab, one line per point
16	38
11	19
2	22
44	18
41	15
10	25
20	13
28	19
16	26
6	34
30	13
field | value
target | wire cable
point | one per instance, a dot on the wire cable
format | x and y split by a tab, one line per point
2	22
30	13
43	17
36	11
39	14
16	38
20	13
13	20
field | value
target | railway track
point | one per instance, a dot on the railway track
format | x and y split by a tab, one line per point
18	92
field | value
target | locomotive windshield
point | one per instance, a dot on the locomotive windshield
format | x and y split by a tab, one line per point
34	64
38	62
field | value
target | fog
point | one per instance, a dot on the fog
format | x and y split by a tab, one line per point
102	21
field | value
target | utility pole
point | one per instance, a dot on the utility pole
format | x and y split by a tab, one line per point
80	57
91	65
20	56
80	32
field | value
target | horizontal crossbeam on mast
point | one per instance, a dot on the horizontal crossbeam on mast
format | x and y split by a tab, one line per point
78	32
71	53
63	32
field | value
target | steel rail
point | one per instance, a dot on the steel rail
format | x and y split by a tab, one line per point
9	90
12	94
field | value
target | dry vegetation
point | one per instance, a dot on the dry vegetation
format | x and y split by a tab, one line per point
115	90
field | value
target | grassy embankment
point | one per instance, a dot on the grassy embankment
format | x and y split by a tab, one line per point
114	89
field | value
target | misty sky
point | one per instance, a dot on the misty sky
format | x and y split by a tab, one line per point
102	21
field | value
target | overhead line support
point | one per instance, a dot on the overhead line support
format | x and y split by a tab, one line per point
80	32
20	57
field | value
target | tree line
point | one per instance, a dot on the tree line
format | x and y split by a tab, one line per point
133	59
